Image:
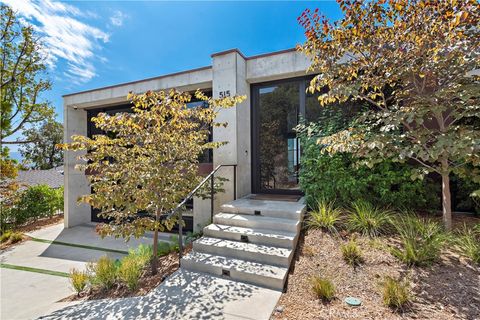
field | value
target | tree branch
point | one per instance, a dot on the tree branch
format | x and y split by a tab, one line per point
18	142
425	164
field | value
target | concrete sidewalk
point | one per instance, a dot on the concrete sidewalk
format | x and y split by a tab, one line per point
184	295
27	295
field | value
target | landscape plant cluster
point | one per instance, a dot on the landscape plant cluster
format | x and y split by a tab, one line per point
107	273
418	242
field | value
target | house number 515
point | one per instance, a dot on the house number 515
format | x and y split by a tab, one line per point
224	94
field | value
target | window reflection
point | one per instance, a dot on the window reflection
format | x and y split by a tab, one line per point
278	145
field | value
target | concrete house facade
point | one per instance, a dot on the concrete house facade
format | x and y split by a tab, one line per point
261	140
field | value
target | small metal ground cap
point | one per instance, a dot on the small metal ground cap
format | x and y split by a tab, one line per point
354	302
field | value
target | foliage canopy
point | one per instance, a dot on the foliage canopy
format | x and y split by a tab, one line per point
413	62
43	153
22	77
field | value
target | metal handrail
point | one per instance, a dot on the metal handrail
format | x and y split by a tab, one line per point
210	177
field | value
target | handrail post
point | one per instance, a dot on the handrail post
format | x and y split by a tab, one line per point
180	241
212	191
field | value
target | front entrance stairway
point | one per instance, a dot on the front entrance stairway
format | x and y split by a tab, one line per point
251	241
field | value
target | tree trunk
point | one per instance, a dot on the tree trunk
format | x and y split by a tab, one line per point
446	197
155	245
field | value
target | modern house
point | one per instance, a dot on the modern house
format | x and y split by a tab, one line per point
261	140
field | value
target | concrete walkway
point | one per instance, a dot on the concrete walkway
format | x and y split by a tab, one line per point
184	295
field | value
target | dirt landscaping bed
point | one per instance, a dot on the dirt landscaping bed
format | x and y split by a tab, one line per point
32	226
41	223
449	289
167	265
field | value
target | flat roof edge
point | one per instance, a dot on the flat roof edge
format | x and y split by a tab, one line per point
255	56
186	71
228	51
271	53
137	81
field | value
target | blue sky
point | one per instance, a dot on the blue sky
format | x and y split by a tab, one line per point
98	43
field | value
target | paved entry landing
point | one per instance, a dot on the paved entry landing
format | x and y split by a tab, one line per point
184	295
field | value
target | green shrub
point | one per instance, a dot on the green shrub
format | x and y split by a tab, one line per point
421	240
367	219
325	216
468	241
58	201
351	253
5	236
35	202
143	254
396	294
463	192
7	218
338	178
165	248
323	288
103	273
11	237
79	280
130	270
192	236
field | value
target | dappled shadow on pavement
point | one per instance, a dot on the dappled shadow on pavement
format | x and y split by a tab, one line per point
184	295
96	309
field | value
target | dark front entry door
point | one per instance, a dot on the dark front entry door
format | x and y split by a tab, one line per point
277	108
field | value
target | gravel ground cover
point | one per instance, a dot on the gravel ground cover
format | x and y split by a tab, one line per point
449	289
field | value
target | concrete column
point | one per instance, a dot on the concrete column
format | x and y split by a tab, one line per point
229	78
75	182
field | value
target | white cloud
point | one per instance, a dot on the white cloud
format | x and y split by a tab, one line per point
117	18
64	34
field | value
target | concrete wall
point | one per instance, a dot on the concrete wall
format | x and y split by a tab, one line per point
231	73
201	213
187	81
76	184
288	64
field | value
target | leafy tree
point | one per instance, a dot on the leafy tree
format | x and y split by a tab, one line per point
147	160
8	186
22	78
42	154
412	61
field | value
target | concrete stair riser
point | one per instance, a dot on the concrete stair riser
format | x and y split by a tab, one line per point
275	282
276	209
256	253
252	221
258	236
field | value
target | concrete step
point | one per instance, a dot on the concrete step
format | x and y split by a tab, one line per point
255	273
242	250
277	238
268	208
254	221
